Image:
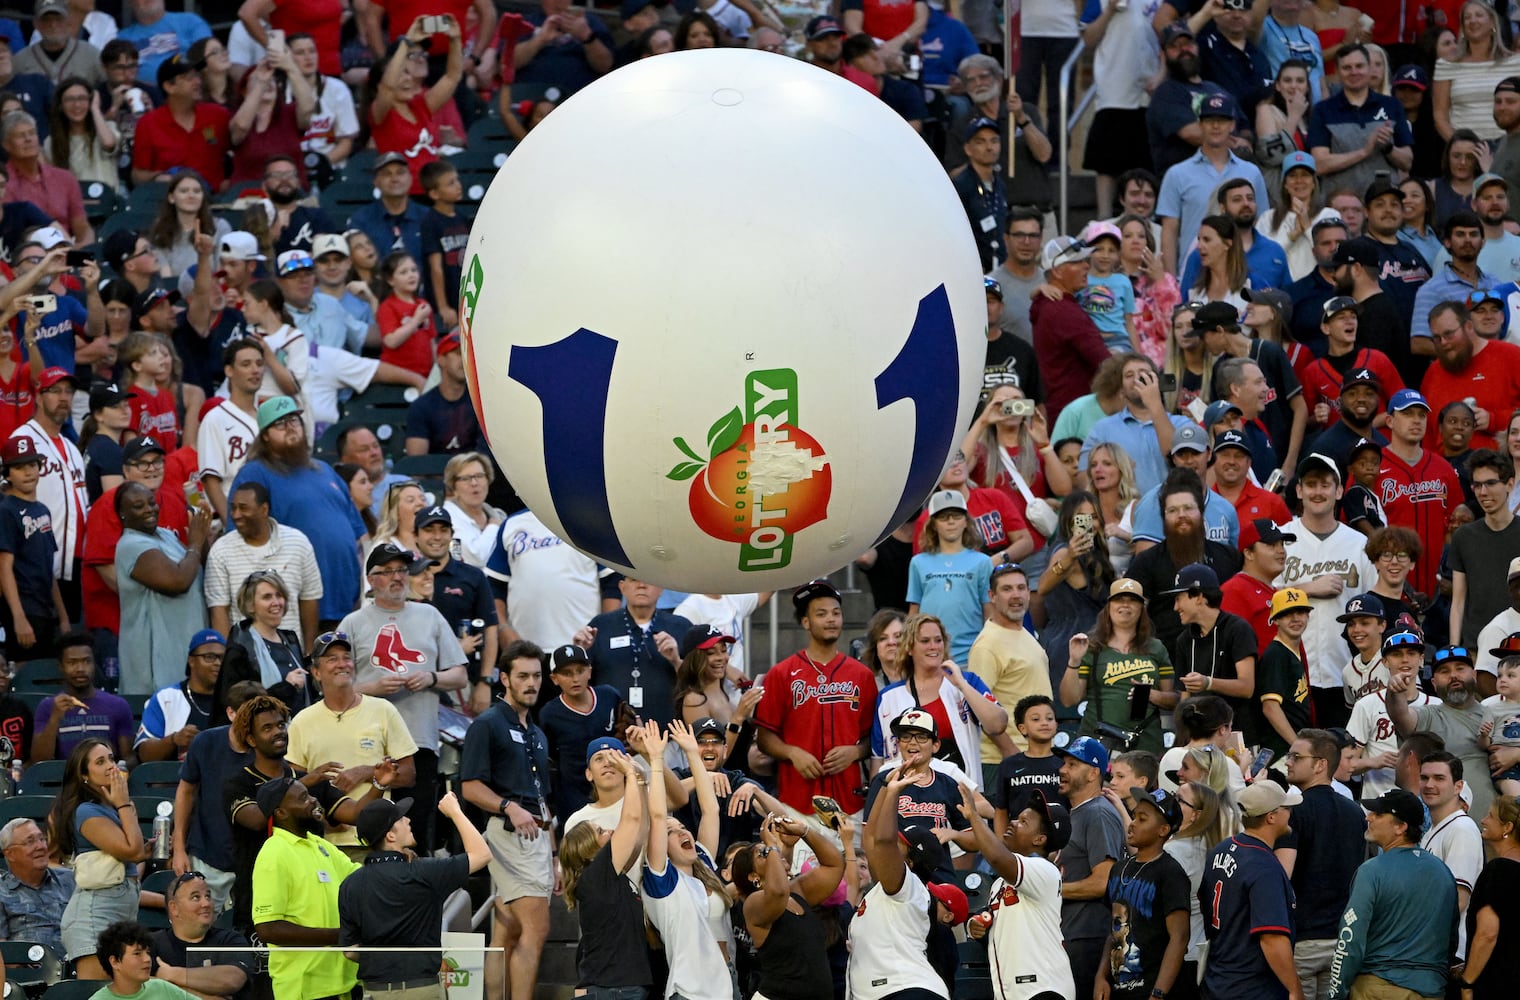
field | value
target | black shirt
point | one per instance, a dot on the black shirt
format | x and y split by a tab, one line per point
1156	573
15	730
888	576
390	901
1143	894
1018	776
1328	834
1280	676
1010	359
170	949
203	355
612	950
1214	655
731	829
462	594
1498	887
447	425
510	758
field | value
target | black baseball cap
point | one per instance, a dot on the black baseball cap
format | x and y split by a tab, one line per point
1339	304
137	448
386	552
1057	820
436	514
1212	315
1361	376
1231	439
707	725
702	637
568	656
1360	250
271	793
377	818
1382	186
1195	578
808	592
1401	805
102	396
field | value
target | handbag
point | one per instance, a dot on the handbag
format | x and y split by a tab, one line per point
98	870
1040	515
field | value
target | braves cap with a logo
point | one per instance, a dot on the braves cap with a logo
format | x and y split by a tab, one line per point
1361	376
136	448
103	396
19	450
917	720
1195	578
436	514
702	637
1411	75
1364	606
568	655
1264	530
822	27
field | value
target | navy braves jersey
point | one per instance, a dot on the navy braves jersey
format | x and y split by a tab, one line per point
1244	893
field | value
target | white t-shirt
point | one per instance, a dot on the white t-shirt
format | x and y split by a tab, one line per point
552	590
242	50
1493	633
697	969
334	119
727	612
1128	56
1456	841
888	943
225	438
1049	19
331	369
1024	942
1371	727
1311	556
730	18
606	817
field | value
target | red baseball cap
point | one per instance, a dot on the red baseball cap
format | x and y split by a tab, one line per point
448	344
52	376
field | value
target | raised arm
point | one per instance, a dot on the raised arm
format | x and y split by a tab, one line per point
656	856
628	836
882	852
707	799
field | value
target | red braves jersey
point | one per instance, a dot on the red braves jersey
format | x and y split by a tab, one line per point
1491	379
153	416
1420	496
1322	383
817	709
1251	599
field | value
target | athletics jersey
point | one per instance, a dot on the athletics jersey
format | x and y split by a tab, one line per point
1245	892
1322	382
1371	727
1024	943
889	943
818	708
1340	554
1420	496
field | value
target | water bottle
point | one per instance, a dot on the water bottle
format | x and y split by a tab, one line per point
110	667
163	832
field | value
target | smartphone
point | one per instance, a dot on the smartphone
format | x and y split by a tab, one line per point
1018	407
1168	382
1139	702
436	24
77	258
1261	761
276	40
41	303
1081	522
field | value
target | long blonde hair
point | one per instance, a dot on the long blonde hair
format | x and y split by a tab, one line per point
577	848
390	510
1497	50
1127	489
1027	461
1176	362
1217	819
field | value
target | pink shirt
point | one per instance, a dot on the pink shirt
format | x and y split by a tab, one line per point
55	191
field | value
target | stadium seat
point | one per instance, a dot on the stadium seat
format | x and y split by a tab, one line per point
99	201
28	963
128	219
29	806
158	778
360	166
342	199
159	881
148	196
32	698
421	466
38	675
136	702
977	886
487	131
43	778
73	989
383	395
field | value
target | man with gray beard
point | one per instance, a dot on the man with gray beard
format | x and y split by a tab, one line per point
984	98
1456	718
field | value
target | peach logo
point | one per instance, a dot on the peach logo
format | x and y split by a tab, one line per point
764	478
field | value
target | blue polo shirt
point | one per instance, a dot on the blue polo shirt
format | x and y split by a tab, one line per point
1281	42
510	758
1243	72
1187	192
1266	263
1444	284
1220	522
1138	439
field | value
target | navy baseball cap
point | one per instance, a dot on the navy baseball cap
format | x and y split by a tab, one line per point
822	27
1339	304
702	637
1364	606
1361	376
1405	398
977	124
1217	411
436	514
1162	801
1057	820
1403	638
601	743
1217	106
1088	750
1195	578
1231	439
1177	29
1414	76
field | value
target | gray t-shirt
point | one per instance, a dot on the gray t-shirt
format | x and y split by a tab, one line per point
414	638
1016	293
1459	728
1507	165
1097	835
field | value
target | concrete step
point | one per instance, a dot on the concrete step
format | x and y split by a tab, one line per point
563	926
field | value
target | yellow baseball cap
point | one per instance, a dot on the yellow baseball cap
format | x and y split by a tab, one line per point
1289	599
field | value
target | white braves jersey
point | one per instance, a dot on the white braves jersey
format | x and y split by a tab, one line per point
1456	841
61	489
888	944
1024	943
1360	678
1311	556
225	438
1371	727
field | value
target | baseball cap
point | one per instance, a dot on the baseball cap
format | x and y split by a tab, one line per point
1126	586
116	248
50	238
1510	84
822	27
436	514
1231	439
976	125
992	286
1403	638
106	395
1277	299
387	552
376	819
272	411
954	898
1403	806
205	636
19	450
1217	411
1381	186
1404	399
147	299
271	793
1087	750
925	852
808	592
1288	599
1063	250
702	637
1057	820
1514	568
1160	800
1261	797
601	743
1508	646
1263	529
172	69
326	243
944	500
292	261
327	640
238	245
1189	437
1484	180
138	447
1299	160
1212	315
50	7
1314	460
1411	75
1195	578
386	159
52	376
1219	105
1363	444
706	726
1097	230
448	344
568	655
915	718
1364	606
419	564
631	7
1338	304
1360	250
1177	29
1361	376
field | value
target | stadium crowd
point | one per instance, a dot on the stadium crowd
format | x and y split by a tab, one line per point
1195	676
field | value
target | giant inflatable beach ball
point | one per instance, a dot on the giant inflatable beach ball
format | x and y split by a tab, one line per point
724	320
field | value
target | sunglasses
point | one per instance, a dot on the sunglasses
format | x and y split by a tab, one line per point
1459	653
181	880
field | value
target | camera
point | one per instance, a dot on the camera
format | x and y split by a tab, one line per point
1018	407
41	303
1122	739
1168	382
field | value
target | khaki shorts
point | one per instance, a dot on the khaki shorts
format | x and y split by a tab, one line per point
519	866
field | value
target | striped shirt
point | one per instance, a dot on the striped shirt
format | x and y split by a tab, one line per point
288	552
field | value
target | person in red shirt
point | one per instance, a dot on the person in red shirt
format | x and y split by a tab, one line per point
1004	532
401	116
321	19
144	358
184	132
816	715
897	24
407	331
1248	593
1485	373
1322	377
1417	488
1232	480
1067	345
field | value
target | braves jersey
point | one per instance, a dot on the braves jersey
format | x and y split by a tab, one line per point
1359	678
1024	942
1244	893
1373	729
153	416
1420	496
224	440
1340	554
62	489
888	937
817	708
1322	383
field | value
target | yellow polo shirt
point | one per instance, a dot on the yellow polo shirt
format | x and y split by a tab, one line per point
296	879
365	734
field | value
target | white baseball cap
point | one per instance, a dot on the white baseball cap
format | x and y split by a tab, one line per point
238	245
50	238
328	243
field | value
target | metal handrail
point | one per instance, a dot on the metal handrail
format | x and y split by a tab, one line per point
1067	120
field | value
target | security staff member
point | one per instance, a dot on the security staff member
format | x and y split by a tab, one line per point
505	771
396	900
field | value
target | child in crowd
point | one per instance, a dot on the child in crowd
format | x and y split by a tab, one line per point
406	320
1136	768
1110	296
949	578
1281	702
1037	767
1501	721
1365	674
1360	507
32	606
445	233
145	359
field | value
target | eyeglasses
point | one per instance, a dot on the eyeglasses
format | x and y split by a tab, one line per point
207	657
474	477
1395	557
1191	805
123	64
31	261
915	738
398	571
148	463
1191	508
291	421
1486	484
1016	235
1292	758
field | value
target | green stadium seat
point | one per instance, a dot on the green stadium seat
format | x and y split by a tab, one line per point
30	964
73	989
99	201
146	197
421	466
158	778
43	778
29	806
38	675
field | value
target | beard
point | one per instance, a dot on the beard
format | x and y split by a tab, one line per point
1455	361
1344	284
984	94
1184	67
1186	548
1456	696
312	825
283	459
284	195
1245	220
